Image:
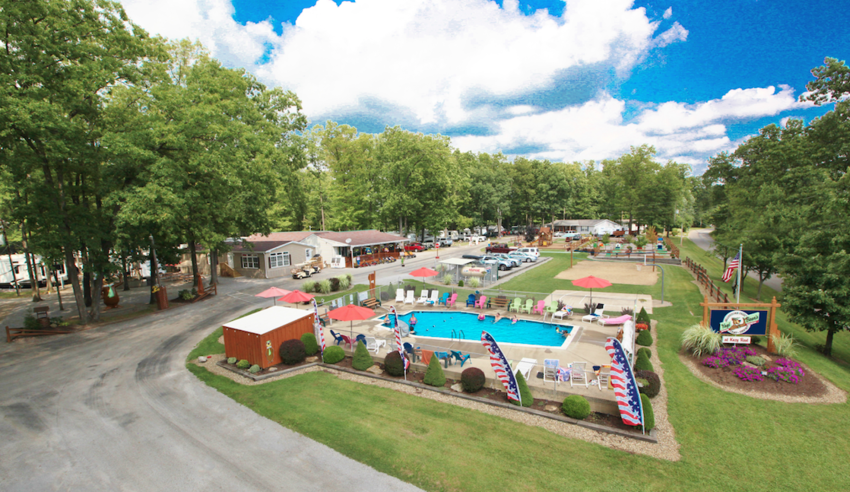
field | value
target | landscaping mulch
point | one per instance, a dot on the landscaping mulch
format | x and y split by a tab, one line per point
809	385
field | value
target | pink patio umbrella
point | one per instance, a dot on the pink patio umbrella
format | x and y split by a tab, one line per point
296	296
423	272
352	313
273	292
591	283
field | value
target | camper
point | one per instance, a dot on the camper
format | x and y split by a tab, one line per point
22	275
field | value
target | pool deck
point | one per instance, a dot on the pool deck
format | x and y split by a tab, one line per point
587	345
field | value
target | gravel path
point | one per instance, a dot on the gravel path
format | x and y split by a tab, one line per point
667	448
834	394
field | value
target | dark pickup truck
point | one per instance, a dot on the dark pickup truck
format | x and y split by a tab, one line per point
499	248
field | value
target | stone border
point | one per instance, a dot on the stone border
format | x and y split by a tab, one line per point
834	394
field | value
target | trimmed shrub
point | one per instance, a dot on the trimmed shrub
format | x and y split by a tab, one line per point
652	385
524	392
644	350
361	360
701	340
472	379
756	360
393	364
334	284
254	369
292	352
576	406
243	364
648	415
460	283
31	323
334	354
644	338
643	363
434	376
231	360
311	346
643	316
324	286
186	295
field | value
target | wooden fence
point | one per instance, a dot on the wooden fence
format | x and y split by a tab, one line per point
703	278
13	333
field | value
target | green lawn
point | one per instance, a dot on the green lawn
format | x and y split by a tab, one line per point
728	441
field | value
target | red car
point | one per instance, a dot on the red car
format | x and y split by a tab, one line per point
414	247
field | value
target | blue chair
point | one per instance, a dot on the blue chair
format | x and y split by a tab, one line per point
443	299
338	338
445	357
361	338
460	357
408	348
470	301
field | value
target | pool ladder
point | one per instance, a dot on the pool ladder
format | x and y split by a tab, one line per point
459	334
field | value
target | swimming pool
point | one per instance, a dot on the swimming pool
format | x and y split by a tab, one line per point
466	326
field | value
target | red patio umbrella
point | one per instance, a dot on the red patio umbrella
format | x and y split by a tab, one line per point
273	292
591	283
423	272
296	296
351	312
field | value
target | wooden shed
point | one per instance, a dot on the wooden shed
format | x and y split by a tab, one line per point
257	338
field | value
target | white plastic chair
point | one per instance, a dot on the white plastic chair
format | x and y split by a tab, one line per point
410	298
578	373
603	377
423	298
399	295
550	369
596	314
372	344
525	366
435	296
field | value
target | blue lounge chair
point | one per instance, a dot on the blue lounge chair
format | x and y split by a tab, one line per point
443	356
443	299
408	349
460	357
337	337
470	301
361	338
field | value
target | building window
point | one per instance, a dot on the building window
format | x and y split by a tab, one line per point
308	253
277	260
250	261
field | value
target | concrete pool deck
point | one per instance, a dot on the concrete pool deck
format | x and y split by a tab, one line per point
587	345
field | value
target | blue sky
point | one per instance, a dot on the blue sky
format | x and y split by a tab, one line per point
576	81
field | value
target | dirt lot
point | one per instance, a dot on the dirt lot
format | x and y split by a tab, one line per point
616	273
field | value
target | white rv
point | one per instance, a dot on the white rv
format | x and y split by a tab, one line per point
22	274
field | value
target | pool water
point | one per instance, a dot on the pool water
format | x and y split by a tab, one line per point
466	326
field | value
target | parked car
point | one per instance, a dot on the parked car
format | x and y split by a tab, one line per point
499	248
526	258
572	236
471	257
414	247
496	261
445	242
515	261
476	237
532	251
428	242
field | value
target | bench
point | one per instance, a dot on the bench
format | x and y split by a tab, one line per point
324	319
41	312
212	290
371	303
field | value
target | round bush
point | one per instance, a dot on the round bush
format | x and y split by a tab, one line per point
231	360
435	376
460	283
362	360
653	383
524	392
648	415
292	352
472	379
644	350
243	364
311	346
576	406
393	364
643	364
254	369
644	338
334	354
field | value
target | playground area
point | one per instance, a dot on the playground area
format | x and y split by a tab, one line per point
621	273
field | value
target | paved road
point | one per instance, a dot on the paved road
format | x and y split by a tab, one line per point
114	408
701	238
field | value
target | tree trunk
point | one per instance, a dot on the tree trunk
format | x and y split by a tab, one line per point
124	272
87	286
73	277
97	288
194	254
827	347
36	297
152	276
213	267
758	292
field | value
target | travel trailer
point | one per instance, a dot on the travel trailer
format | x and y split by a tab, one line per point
22	275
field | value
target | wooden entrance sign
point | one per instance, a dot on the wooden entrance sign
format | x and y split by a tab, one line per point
372	285
772	327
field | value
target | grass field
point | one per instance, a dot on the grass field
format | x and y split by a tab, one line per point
728	441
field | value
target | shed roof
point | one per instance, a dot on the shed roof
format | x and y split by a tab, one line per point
268	319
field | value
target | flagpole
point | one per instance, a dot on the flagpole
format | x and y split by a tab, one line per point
740	267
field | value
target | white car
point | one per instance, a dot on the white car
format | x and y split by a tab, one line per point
525	258
530	251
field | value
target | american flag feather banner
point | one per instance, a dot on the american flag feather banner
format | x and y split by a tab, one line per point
500	366
624	384
736	262
398	343
319	329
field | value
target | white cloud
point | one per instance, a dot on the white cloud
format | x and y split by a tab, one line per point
596	130
668	13
670	36
520	109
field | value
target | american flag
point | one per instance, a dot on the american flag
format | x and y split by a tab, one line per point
398	343
319	328
501	366
624	384
736	262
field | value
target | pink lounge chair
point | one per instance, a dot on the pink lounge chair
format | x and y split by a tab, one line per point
451	301
347	340
540	306
482	302
619	320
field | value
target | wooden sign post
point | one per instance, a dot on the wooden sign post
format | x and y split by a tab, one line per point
772	327
372	285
